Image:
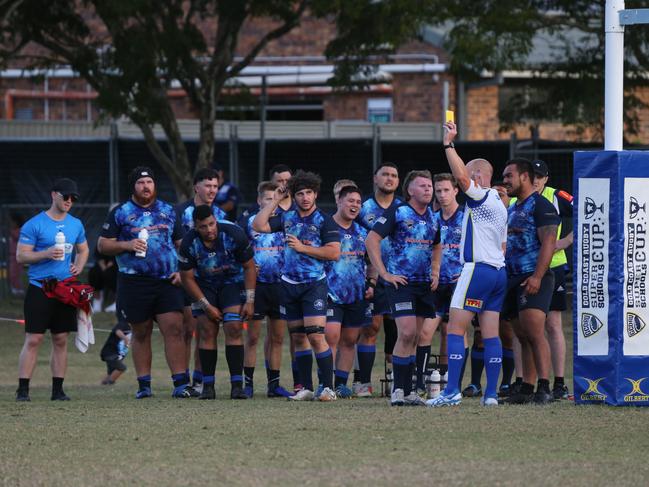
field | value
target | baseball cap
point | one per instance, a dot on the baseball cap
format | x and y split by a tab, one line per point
65	186
540	168
140	172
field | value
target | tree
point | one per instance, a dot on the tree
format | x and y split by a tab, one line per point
132	51
499	35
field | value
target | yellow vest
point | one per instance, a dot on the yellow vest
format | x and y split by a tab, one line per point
559	258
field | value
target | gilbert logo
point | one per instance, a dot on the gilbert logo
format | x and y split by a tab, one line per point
635	207
592	393
636	394
590	324
474	303
590	208
634	324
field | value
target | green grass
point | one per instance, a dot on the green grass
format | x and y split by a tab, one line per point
104	436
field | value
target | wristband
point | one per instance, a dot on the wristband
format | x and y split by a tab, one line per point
369	283
449	146
250	295
203	303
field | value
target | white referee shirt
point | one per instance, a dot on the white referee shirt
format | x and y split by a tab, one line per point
484	228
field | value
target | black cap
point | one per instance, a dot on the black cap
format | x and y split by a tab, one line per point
65	186
140	172
540	168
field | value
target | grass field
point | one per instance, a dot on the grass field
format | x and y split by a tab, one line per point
104	436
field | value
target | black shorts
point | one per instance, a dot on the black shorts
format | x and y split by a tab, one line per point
379	303
43	313
141	298
113	362
352	315
221	297
303	300
443	295
516	301
559	301
413	299
267	299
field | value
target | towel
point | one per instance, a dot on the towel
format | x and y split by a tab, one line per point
85	333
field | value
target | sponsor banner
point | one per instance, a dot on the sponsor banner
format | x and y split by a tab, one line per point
592	266
635	253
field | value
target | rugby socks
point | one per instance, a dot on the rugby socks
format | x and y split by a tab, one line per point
144	382
423	354
197	377
559	382
477	364
304	363
543	385
234	357
412	369
466	357
296	373
248	373
366	355
273	379
179	380
493	357
340	378
325	362
401	371
208	360
456	356
23	385
508	366
57	385
390	329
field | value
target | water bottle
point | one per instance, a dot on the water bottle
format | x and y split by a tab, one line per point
122	349
142	235
59	243
444	380
434	384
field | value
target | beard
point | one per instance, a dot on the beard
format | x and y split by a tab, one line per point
145	200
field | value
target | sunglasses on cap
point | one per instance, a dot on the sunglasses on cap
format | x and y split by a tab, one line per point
67	197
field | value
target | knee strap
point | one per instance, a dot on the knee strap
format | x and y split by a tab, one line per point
228	317
310	330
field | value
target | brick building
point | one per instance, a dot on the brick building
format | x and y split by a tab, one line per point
412	86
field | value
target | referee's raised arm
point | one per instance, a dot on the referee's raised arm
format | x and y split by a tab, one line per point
458	168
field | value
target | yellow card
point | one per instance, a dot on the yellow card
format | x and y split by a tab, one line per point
450	116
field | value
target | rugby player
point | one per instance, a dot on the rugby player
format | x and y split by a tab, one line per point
311	239
269	259
562	202
218	272
36	247
348	309
532	233
147	287
386	183
409	275
482	283
206	186
450	216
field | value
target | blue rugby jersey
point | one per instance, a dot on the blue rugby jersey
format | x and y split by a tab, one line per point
412	237
450	232
346	277
316	230
185	212
523	244
124	223
372	211
220	264
269	251
40	232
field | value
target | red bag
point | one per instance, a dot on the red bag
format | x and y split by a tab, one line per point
70	292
